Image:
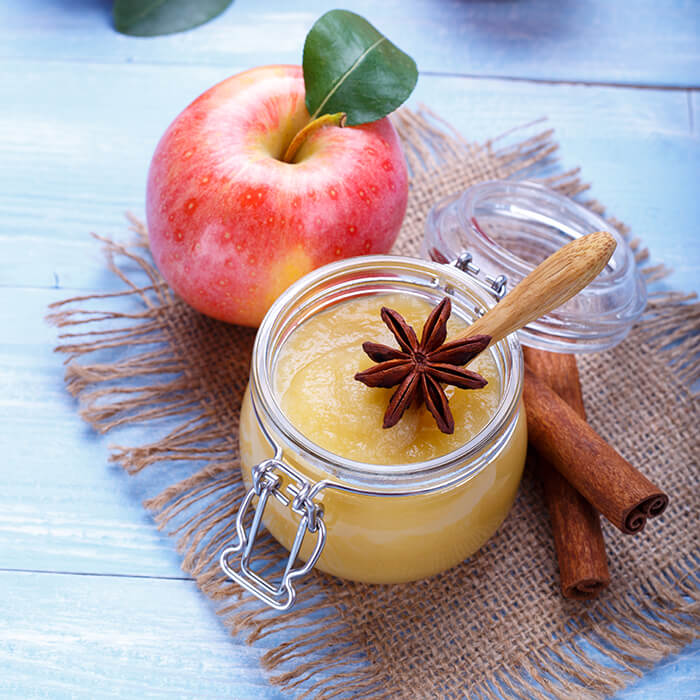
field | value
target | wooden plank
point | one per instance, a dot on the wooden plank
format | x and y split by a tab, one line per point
644	42
97	637
62	506
72	166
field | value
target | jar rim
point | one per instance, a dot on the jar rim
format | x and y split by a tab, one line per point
371	275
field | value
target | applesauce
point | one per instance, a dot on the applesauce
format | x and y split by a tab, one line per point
315	385
355	500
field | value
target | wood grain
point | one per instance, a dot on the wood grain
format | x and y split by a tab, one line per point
552	283
63	506
87	637
640	43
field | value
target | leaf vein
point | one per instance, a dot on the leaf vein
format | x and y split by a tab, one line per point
345	75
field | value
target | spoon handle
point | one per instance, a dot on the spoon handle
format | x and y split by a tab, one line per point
552	283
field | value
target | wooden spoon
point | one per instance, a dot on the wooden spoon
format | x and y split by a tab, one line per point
552	283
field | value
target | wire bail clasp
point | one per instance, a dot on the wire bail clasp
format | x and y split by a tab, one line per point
494	285
267	482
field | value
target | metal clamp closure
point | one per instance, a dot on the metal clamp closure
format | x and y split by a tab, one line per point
267	482
494	285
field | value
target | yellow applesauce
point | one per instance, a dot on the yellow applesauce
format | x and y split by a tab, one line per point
383	538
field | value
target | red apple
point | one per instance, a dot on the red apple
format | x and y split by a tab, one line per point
231	225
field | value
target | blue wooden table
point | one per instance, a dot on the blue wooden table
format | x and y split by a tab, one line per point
92	600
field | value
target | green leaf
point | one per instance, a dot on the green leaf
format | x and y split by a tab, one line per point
351	67
154	17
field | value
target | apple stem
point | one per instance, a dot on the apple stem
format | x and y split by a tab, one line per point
337	119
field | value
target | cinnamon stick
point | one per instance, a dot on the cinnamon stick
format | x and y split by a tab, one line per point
601	475
578	538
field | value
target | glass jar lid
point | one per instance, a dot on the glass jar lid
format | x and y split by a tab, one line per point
510	227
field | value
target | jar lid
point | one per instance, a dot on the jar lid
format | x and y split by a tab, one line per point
510	227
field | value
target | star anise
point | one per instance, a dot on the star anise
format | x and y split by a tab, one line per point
419	368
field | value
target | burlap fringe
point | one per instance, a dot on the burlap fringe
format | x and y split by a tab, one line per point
593	658
612	647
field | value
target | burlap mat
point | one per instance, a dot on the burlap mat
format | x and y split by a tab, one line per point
495	625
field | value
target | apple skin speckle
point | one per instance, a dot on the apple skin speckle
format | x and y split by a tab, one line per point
220	196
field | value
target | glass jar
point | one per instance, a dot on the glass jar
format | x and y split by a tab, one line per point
395	523
368	522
